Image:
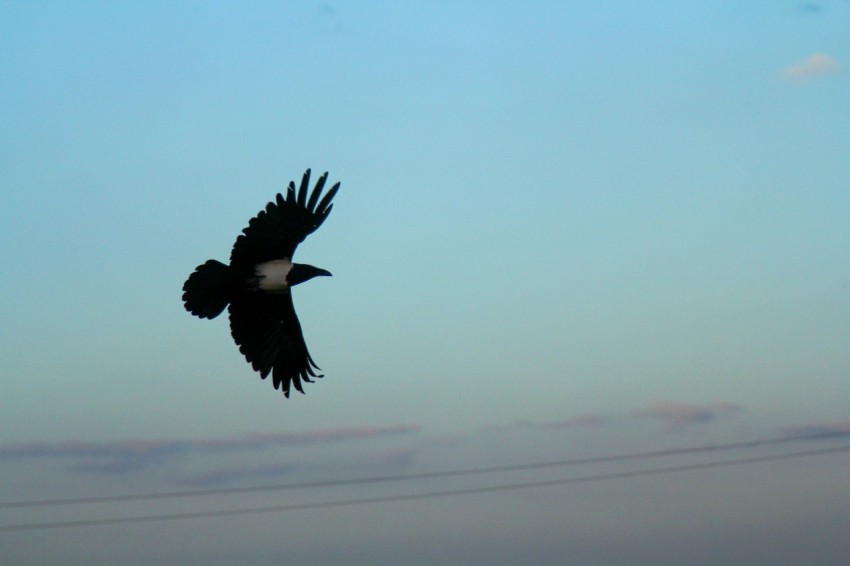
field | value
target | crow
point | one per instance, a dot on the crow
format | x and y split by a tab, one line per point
258	285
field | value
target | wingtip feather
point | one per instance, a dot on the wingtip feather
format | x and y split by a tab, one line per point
323	207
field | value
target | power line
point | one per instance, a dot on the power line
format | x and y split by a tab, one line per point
423	475
422	495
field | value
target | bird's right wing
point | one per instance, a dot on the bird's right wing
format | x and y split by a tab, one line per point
269	335
278	229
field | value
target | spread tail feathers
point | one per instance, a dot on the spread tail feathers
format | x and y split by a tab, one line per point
207	291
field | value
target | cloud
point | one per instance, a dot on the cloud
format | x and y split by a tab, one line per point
350	452
126	450
580	421
820	430
367	462
230	475
817	65
676	415
255	441
122	456
672	414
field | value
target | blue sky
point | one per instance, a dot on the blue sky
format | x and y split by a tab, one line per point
565	229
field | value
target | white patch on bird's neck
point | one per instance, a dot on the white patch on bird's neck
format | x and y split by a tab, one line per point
271	275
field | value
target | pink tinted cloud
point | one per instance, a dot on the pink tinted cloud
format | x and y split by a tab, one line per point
816	65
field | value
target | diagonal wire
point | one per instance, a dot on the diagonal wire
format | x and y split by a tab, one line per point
423	495
424	475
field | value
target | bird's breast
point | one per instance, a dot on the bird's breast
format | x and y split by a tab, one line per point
271	275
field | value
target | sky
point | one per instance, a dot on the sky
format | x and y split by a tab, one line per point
566	231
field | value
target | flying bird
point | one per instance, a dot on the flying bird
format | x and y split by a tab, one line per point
258	284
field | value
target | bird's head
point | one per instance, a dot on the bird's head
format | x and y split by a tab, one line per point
302	272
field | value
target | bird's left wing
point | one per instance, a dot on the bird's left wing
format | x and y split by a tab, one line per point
269	335
278	229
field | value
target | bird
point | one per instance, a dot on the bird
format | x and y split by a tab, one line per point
256	286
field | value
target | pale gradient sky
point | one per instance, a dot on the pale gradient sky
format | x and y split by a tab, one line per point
565	229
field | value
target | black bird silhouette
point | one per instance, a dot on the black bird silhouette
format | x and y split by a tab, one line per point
258	284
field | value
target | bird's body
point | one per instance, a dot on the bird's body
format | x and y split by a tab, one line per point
257	285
